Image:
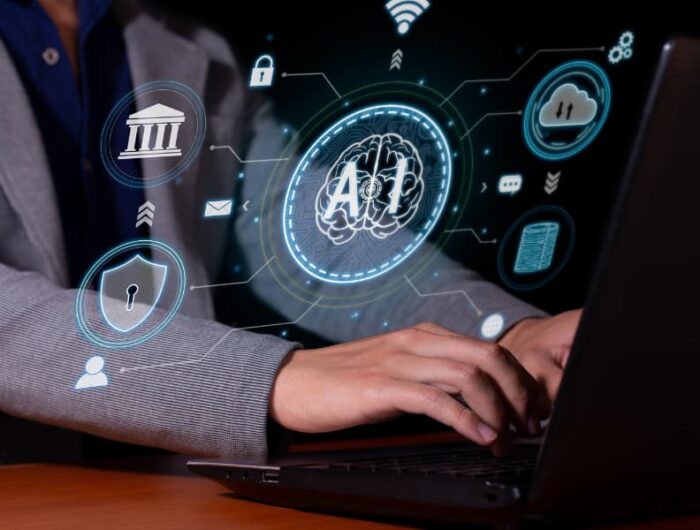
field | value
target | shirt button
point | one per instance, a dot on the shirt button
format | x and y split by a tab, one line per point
50	56
87	166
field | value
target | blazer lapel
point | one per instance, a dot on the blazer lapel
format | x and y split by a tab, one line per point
25	176
154	53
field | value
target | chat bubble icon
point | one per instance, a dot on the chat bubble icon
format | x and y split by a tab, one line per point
510	184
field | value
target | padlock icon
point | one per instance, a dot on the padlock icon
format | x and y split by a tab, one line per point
263	72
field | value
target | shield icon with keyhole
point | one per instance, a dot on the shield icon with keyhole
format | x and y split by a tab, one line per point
129	292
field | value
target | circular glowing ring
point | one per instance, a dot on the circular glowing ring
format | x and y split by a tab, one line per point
100	263
585	68
106	136
523	286
313	151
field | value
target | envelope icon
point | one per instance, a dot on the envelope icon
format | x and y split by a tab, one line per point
220	208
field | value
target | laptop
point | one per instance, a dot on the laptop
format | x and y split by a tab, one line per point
624	435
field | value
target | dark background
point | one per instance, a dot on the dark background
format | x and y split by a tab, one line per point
352	43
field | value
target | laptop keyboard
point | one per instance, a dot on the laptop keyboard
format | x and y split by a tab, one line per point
467	462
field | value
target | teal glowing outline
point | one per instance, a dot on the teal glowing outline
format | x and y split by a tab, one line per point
536	147
311	153
99	264
105	145
523	286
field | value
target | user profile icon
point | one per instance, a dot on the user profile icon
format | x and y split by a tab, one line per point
94	376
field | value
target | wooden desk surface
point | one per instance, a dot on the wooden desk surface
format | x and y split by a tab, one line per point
160	493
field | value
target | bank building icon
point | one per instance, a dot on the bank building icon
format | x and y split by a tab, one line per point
162	141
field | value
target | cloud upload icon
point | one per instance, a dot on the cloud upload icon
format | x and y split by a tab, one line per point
568	107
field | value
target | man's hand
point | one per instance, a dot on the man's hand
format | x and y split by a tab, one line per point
418	370
542	346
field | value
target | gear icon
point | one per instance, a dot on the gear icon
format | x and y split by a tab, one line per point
627	53
616	54
626	39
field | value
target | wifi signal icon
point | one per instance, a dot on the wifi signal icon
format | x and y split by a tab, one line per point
405	12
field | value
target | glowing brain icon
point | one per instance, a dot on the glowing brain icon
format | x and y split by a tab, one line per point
375	186
366	193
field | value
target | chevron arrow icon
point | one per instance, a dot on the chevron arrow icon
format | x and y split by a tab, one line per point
146	214
396	59
552	183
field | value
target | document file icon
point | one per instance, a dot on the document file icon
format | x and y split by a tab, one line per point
221	208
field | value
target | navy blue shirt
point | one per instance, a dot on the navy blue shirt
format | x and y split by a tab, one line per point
97	212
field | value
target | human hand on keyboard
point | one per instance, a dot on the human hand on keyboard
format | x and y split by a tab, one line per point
542	346
419	370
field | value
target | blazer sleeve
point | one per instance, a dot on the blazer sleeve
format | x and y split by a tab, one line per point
215	407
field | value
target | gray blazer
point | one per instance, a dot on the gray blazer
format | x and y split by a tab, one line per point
216	407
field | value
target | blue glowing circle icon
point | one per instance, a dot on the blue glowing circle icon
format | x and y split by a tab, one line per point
153	134
366	193
567	110
130	294
536	248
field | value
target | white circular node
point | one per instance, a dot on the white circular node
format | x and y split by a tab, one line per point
403	28
94	365
492	326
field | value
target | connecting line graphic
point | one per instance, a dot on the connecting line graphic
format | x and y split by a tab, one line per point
249	161
520	68
489	115
219	342
308	74
229	284
481	241
443	293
